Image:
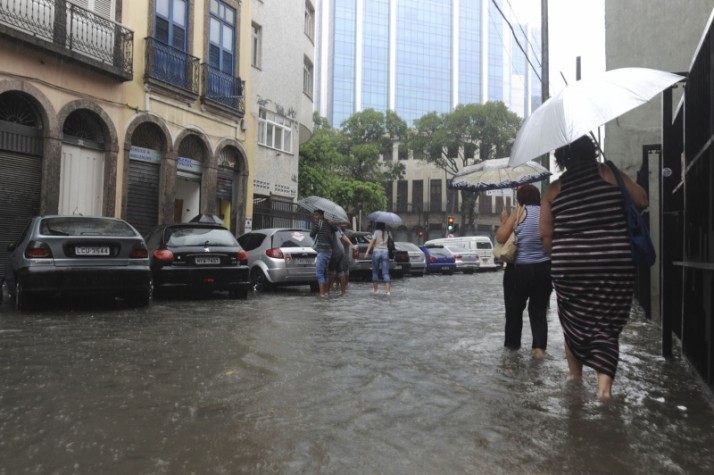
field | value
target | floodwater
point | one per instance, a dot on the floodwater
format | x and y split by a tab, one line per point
415	383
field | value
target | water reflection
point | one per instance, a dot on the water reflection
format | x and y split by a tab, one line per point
288	383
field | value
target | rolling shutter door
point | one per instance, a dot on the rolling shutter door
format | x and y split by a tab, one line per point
143	195
20	178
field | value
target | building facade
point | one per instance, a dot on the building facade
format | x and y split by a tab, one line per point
421	56
667	146
135	115
282	79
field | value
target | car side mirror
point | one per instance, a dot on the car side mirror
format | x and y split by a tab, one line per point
11	247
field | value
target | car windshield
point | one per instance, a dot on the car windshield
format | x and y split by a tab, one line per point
438	251
360	238
200	236
83	226
292	239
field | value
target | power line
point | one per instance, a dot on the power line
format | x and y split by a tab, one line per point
515	37
525	35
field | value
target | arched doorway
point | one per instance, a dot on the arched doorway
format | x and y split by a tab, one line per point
20	166
226	192
189	173
81	188
145	155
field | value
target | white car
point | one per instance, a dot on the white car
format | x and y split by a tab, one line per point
280	256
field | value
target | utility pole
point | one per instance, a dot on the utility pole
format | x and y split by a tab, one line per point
544	73
545	59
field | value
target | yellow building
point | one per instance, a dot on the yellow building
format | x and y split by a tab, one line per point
123	108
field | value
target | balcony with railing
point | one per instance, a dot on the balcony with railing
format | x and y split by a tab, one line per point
171	68
72	32
223	91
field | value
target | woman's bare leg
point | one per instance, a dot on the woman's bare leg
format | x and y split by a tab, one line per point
574	365
604	387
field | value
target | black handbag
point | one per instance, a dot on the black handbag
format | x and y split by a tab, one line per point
643	252
390	246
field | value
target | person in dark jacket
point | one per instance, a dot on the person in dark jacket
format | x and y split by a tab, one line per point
322	231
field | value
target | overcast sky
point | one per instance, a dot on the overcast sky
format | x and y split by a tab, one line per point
576	28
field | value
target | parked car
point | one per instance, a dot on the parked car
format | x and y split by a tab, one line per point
467	261
78	255
438	260
481	244
198	257
361	268
280	256
415	264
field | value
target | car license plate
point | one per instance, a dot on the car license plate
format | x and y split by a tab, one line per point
303	261
91	250
208	260
444	267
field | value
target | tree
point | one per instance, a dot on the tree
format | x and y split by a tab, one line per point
367	135
343	164
454	140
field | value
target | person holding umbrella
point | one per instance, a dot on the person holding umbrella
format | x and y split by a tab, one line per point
380	257
583	228
322	231
526	280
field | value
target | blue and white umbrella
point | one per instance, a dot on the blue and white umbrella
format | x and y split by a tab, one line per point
495	174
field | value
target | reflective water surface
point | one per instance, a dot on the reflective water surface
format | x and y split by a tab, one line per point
288	383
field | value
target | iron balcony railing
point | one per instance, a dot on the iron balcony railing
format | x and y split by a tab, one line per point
224	89
71	31
171	66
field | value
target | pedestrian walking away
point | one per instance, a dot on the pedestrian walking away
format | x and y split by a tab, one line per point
380	257
526	280
584	230
322	232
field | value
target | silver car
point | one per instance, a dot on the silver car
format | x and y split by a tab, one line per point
467	261
280	256
417	261
78	255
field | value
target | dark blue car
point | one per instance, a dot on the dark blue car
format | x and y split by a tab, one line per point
438	260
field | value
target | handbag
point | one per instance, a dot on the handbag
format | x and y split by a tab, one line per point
390	246
643	252
506	252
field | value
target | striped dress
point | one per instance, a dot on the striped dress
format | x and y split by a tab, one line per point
592	270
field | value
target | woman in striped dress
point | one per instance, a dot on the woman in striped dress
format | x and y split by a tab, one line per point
583	228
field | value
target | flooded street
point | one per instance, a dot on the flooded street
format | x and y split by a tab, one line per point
288	383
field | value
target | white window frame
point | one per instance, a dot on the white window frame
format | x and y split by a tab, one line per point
309	20
256	45
307	77
275	131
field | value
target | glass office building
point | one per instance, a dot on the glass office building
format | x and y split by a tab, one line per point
421	56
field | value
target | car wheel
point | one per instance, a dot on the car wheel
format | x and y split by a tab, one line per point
21	301
258	280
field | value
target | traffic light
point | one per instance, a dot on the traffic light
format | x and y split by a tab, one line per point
450	224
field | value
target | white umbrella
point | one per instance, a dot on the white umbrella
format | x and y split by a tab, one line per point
584	106
333	211
386	217
495	174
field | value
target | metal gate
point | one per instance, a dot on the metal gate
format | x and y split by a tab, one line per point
20	177
143	195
